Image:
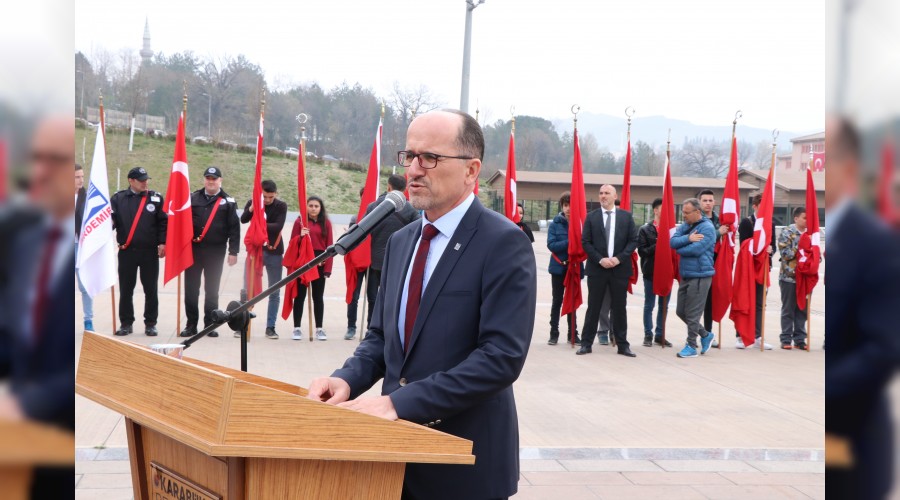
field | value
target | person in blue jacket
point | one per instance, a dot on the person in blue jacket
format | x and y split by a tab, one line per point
558	244
694	240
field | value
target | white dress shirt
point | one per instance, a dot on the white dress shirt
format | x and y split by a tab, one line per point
447	225
612	230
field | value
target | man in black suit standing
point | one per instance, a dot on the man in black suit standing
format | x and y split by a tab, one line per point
452	321
609	238
863	352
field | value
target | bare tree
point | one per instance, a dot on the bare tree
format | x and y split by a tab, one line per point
412	101
702	159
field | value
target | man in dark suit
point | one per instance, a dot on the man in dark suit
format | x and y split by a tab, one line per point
609	238
863	293
453	318
745	232
37	342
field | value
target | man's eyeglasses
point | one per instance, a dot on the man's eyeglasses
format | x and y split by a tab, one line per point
426	160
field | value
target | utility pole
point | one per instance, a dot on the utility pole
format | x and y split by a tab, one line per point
467	52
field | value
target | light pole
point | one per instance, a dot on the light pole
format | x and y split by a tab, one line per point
209	117
467	49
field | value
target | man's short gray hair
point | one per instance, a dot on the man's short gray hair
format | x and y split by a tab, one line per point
470	138
694	202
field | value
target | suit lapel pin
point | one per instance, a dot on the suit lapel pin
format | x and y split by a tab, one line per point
456	247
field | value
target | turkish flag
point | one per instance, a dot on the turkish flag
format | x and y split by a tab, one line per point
299	250
743	303
818	162
180	229
806	274
665	267
762	239
729	215
577	214
360	258
256	236
509	190
625	204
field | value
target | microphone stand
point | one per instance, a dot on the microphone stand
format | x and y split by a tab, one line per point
238	314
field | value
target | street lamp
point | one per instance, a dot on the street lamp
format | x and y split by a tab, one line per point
467	49
209	117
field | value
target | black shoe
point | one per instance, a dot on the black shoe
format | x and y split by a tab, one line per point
189	331
627	352
552	341
658	341
125	330
270	333
648	341
151	331
213	334
585	349
802	347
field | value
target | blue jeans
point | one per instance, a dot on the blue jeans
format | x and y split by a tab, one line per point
272	262
87	302
649	299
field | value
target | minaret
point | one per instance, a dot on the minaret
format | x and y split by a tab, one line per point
146	53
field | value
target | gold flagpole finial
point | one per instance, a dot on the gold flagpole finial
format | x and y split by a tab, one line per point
382	110
629	114
184	96
575	109
737	115
669	142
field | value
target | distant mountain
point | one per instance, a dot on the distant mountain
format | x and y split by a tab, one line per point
610	131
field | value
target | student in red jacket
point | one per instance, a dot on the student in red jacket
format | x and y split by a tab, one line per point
318	227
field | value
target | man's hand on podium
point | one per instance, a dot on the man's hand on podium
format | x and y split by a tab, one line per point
380	406
331	390
10	409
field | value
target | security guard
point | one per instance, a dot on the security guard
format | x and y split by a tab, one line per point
140	224
216	225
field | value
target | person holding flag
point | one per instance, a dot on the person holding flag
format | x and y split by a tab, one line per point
139	219
694	240
520	214
647	236
318	228
558	244
216	225
793	318
707	205
276	213
745	232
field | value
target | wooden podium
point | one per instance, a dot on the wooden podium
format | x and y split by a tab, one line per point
208	432
24	445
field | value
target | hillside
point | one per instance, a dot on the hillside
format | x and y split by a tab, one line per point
338	187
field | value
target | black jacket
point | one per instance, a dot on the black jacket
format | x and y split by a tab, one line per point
79	210
276	213
151	227
594	243
389	226
527	230
225	228
646	248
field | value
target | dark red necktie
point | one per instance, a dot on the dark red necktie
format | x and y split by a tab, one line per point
45	274
416	279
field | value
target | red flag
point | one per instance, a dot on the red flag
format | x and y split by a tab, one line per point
180	229
299	250
665	267
729	216
256	236
360	258
577	214
509	192
806	274
743	304
818	162
625	204
762	238
885	184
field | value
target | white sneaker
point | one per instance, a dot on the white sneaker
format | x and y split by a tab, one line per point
739	344
298	334
767	346
320	334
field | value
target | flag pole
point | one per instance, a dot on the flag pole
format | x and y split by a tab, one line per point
808	321
575	109
112	289
309	308
178	299
762	326
737	115
665	311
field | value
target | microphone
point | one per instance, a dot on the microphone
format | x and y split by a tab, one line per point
358	232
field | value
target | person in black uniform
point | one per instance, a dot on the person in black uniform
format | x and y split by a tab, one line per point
276	213
140	223
216	225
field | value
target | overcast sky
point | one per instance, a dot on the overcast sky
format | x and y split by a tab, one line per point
693	60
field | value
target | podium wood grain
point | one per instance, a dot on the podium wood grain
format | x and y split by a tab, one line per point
24	445
244	436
